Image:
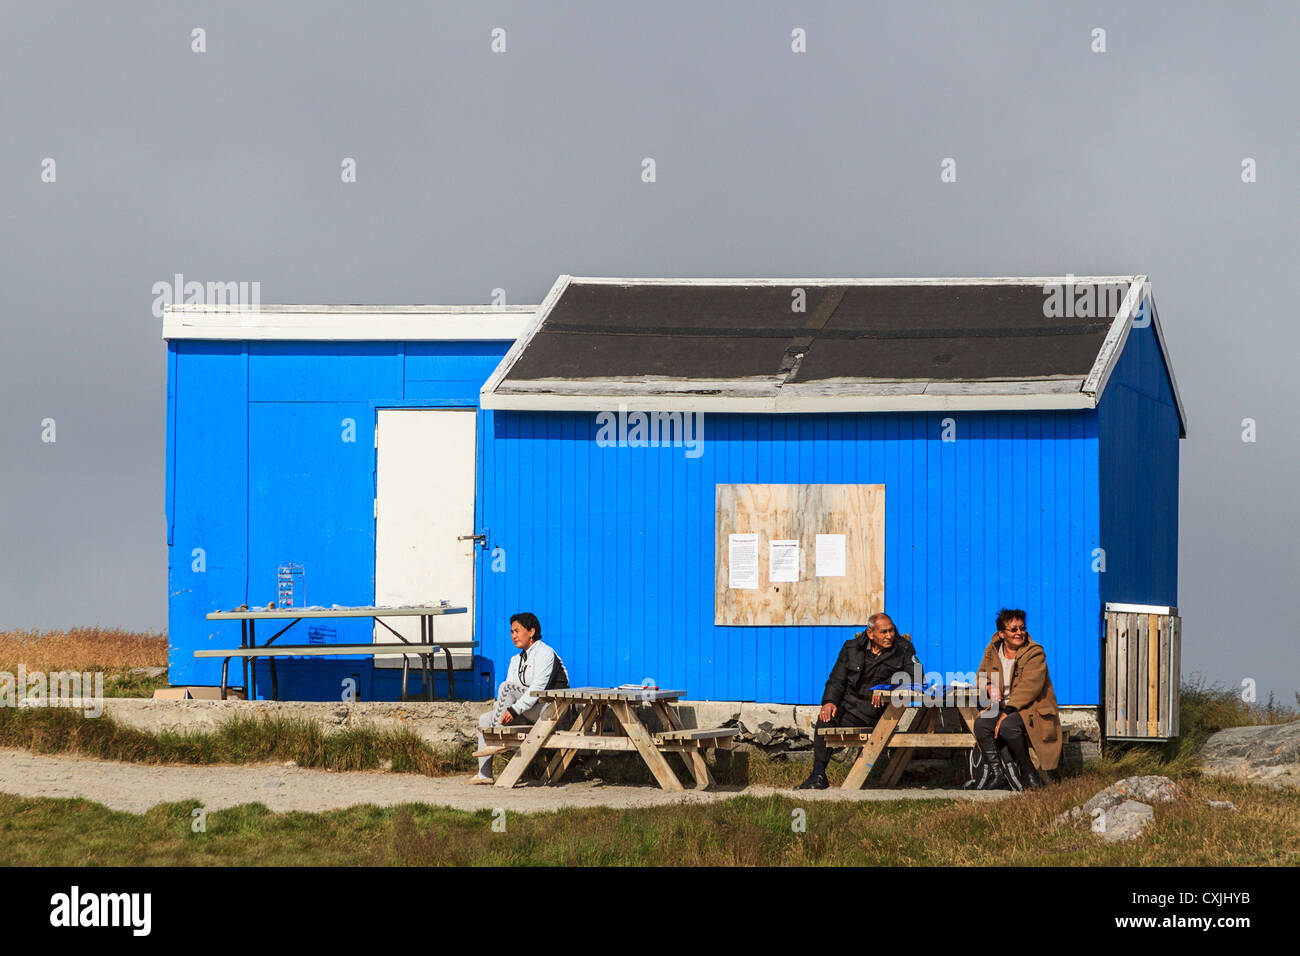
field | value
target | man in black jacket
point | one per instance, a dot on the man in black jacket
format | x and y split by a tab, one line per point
873	657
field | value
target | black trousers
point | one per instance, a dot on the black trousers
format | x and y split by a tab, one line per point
1012	734
843	718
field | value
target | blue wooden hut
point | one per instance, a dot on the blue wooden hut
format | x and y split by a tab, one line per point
1022	434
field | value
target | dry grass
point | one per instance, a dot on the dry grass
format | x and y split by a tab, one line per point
744	831
747	831
1204	709
110	650
240	740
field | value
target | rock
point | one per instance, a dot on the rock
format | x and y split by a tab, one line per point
1223	805
147	671
1150	789
1123	822
1268	754
290	763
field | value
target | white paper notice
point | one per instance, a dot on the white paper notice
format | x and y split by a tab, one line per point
742	561
830	556
783	561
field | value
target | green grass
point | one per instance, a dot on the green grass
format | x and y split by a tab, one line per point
746	830
1203	710
133	685
238	740
276	740
743	831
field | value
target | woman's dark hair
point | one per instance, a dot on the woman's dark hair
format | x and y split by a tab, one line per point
1011	614
528	621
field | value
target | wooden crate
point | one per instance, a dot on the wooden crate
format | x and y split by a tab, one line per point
1142	659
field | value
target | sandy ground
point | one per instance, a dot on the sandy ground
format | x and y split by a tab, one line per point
137	787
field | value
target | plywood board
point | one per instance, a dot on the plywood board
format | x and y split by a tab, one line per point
801	512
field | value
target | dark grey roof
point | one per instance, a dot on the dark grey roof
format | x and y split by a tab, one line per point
734	344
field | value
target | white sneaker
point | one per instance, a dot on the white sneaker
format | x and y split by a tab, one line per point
480	780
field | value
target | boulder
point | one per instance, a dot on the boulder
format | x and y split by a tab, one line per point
1147	789
1268	754
1123	822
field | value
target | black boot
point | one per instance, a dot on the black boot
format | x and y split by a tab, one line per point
1011	770
815	780
994	778
1020	768
1032	780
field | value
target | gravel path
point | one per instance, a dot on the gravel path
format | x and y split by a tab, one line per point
137	787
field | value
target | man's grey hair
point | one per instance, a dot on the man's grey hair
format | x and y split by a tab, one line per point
871	621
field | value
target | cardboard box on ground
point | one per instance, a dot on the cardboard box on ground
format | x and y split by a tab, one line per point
198	692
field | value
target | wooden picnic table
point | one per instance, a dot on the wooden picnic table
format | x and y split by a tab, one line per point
589	706
922	733
249	650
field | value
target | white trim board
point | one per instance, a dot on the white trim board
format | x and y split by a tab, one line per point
1140	608
949	280
1117	338
332	323
1113	345
910	402
521	342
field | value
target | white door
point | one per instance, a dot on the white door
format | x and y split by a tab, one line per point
425	502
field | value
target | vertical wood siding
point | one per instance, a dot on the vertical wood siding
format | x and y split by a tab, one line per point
1138	443
613	548
259	474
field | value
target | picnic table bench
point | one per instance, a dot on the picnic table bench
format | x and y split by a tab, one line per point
249	650
589	705
921	733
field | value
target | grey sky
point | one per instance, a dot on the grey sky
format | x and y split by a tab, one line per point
478	170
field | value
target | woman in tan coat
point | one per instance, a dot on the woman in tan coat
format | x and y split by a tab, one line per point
1014	668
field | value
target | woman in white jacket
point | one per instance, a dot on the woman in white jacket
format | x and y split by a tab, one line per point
535	668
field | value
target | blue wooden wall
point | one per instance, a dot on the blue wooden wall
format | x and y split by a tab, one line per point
260	472
613	548
1138	437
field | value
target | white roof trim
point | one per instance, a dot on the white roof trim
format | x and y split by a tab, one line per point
332	323
1113	345
539	316
1140	608
786	402
1117	337
951	280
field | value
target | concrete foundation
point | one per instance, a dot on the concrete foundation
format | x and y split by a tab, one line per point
767	728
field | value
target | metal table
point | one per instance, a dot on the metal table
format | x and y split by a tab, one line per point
248	618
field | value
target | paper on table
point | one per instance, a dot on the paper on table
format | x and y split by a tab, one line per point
830	556
742	561
783	561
